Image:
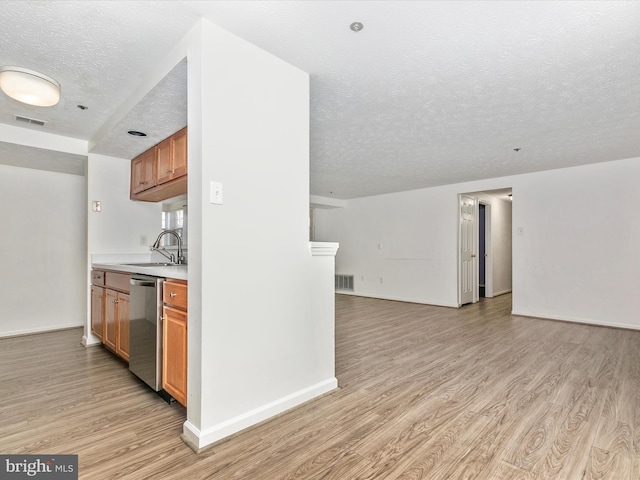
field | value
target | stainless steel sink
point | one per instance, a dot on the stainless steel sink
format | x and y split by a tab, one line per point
151	264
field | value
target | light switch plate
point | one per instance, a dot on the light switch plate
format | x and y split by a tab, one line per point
216	195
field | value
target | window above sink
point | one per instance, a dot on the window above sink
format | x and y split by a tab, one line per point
174	217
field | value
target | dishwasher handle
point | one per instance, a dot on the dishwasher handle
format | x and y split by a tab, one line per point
142	283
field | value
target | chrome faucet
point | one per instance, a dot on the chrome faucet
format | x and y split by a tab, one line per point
156	247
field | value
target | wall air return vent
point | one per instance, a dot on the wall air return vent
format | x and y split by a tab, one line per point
32	121
344	283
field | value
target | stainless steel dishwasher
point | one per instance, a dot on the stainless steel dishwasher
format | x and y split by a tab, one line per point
145	329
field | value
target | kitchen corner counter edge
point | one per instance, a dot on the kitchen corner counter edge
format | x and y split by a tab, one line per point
178	272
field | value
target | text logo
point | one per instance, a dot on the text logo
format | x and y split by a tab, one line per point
49	467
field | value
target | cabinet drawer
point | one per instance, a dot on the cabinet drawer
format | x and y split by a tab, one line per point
175	294
97	277
117	281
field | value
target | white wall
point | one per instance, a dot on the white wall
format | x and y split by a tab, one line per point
118	227
43	250
254	347
120	223
398	246
576	260
578	257
501	246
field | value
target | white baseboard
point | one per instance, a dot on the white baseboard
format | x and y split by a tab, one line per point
502	292
399	299
90	340
31	331
199	439
586	321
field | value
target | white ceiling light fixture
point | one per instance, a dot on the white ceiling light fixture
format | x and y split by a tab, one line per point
30	87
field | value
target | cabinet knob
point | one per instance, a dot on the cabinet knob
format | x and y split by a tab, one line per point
169	170
173	294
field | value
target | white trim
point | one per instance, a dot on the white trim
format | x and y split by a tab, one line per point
90	340
576	320
399	299
192	435
31	331
200	439
502	292
316	201
323	249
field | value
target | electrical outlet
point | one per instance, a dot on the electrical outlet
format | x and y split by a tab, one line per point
96	206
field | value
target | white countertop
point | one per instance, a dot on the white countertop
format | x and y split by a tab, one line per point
117	263
175	271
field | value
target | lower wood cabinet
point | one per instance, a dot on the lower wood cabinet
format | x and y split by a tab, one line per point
116	335
97	311
110	311
174	365
174	340
122	326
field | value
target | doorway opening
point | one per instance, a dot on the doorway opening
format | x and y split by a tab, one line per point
485	245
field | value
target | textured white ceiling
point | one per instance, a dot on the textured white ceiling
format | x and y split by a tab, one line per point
428	93
159	114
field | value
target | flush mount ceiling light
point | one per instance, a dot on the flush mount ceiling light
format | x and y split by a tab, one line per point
356	26
27	86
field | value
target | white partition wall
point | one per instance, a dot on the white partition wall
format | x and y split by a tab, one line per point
254	348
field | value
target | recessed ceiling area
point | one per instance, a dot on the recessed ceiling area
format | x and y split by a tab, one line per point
427	93
161	113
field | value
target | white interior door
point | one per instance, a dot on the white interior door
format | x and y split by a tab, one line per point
468	275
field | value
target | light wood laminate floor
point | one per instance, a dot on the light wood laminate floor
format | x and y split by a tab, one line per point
426	393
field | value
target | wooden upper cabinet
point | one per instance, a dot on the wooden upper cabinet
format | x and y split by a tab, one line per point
161	172
172	157
180	153
143	171
163	149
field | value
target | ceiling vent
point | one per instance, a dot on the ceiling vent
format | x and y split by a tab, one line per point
32	121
